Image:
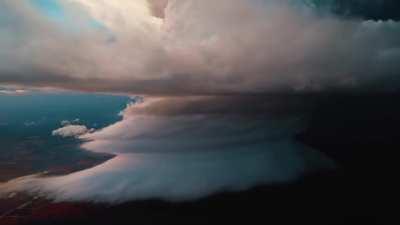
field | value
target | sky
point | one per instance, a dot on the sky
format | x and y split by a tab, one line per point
50	8
205	121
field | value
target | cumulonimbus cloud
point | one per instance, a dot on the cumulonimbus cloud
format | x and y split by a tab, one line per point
166	149
196	47
181	147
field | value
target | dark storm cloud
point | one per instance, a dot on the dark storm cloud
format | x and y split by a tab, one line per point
238	105
158	7
366	9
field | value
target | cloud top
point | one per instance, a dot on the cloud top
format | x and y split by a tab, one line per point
197	47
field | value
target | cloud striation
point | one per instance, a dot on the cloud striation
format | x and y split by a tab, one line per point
177	154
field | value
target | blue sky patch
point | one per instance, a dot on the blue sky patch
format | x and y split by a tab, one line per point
50	8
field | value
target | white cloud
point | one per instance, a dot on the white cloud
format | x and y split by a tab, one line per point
71	131
200	47
13	92
68	122
180	154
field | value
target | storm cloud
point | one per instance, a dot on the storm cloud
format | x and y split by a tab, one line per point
206	124
371	9
176	154
196	47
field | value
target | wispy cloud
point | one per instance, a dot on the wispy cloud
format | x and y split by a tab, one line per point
9	91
